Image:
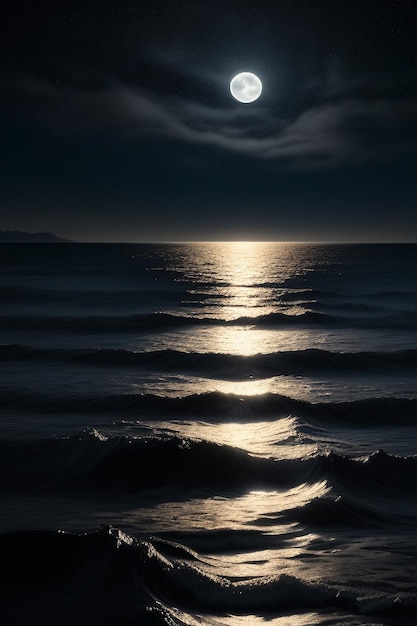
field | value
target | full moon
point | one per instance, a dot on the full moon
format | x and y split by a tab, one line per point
246	87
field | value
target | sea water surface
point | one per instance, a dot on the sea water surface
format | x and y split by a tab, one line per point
215	434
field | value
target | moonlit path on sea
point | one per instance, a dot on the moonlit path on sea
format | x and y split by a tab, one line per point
215	434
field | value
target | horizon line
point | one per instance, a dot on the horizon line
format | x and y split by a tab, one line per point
67	239
214	241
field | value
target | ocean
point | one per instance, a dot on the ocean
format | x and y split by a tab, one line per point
208	434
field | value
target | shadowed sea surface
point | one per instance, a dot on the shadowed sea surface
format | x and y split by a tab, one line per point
213	434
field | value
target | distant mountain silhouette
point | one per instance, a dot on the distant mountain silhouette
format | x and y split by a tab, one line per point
16	236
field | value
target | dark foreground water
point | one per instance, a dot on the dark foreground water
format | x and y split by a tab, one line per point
208	434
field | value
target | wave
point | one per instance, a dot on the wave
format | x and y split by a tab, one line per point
198	295
106	577
101	578
161	320
312	293
338	511
145	321
225	366
218	406
90	461
28	295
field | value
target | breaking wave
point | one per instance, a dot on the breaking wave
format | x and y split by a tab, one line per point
107	577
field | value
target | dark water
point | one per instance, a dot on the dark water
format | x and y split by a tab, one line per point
208	434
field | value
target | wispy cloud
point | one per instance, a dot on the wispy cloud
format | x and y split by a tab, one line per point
329	133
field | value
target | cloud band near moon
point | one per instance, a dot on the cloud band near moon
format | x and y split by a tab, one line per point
329	131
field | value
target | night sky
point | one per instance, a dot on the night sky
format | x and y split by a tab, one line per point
117	123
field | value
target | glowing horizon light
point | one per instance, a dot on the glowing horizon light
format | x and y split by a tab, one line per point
246	87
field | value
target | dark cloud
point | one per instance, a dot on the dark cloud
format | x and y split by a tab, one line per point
329	134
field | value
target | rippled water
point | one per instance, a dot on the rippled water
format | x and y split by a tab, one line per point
208	434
